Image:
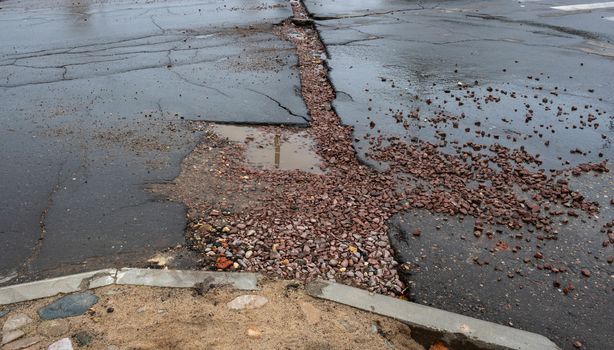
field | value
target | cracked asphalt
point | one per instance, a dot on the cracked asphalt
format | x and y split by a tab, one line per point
485	64
95	99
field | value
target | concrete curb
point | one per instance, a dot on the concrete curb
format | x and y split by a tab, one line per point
126	276
186	278
429	324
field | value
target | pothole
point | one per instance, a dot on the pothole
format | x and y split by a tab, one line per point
274	148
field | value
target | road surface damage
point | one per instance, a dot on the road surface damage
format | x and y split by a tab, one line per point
334	224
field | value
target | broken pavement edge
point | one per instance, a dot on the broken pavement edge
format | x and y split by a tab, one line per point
428	323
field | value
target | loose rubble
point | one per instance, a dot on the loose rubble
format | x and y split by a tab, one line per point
293	224
334	225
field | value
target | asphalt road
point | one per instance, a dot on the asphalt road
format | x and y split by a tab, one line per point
94	102
390	56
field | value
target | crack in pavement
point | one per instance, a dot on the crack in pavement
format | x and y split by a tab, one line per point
176	36
576	32
121	71
43	228
186	80
443	43
326	18
63	66
279	104
157	25
49	52
339	92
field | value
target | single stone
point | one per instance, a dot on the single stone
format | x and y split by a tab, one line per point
348	326
375	328
248	254
54	328
22	343
15	322
83	338
246	302
438	346
68	306
586	272
312	314
9	336
253	333
3	313
62	344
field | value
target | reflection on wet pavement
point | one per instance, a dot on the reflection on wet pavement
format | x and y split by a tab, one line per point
274	148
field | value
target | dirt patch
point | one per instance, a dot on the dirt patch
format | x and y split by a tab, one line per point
161	318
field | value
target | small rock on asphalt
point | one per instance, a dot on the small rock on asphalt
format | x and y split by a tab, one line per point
246	302
62	344
68	306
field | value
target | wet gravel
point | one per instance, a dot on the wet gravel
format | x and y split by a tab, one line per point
335	225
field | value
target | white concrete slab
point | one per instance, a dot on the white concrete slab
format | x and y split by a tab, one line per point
186	279
485	335
54	286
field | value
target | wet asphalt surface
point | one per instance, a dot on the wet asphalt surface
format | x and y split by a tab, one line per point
389	56
95	97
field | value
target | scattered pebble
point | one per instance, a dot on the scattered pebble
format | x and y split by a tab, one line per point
247	302
254	333
62	344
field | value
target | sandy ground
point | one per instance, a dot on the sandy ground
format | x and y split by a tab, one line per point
129	317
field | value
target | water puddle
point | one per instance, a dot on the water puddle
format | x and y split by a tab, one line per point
273	148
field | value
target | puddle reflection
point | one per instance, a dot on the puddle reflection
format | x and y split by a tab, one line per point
274	148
